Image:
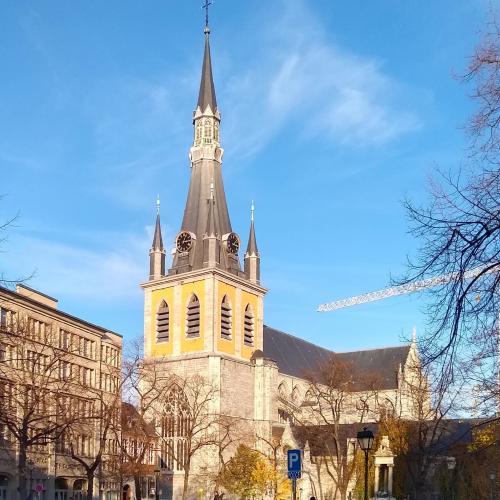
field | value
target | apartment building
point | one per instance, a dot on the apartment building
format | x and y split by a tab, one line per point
58	374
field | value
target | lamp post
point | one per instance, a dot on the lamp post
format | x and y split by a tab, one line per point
365	440
157	493
492	479
451	462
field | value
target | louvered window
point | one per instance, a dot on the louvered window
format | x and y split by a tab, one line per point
225	319
162	323
249	326
193	317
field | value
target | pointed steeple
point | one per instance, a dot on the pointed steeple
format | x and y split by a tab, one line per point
252	241
206	96
203	218
157	252
252	256
157	239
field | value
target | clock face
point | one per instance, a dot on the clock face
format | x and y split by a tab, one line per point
233	243
184	242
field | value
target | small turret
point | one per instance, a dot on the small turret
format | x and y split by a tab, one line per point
211	240
157	252
252	256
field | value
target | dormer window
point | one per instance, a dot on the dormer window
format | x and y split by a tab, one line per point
163	323
225	319
193	317
248	327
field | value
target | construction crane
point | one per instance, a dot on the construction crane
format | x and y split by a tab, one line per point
403	289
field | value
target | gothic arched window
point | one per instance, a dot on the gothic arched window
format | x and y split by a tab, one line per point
216	132
225	319
193	317
248	326
199	127
162	323
208	132
174	430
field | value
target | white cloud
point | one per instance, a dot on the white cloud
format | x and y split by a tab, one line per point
97	275
298	78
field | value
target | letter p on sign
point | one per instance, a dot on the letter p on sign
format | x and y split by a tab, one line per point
294	464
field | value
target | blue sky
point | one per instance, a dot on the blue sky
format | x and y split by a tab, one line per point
332	113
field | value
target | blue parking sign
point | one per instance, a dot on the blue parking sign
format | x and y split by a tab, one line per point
294	464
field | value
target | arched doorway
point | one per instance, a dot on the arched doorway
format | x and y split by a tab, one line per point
126	492
79	488
4	486
61	489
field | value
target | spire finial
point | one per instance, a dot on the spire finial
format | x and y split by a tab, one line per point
414	335
206	5
252	210
158	204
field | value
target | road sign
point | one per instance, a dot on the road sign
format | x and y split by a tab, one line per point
294	464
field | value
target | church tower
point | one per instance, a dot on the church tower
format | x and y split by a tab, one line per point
205	307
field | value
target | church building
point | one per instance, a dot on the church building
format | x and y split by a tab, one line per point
204	313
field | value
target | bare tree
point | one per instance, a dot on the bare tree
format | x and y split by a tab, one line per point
419	429
145	384
459	231
336	394
189	423
34	382
91	441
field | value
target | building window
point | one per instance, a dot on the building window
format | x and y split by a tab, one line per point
208	132
162	323
199	126
249	326
174	430
7	319
216	132
225	319
193	317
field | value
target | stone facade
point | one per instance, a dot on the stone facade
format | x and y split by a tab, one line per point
33	334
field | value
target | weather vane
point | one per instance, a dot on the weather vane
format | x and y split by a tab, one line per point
206	5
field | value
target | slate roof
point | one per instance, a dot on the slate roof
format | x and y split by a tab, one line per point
297	357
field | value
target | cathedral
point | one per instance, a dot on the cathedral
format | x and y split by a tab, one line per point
205	313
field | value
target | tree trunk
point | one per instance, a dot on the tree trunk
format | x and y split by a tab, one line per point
90	484
21	472
186	481
137	483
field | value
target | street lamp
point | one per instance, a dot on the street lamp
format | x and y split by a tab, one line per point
157	493
492	479
365	440
451	463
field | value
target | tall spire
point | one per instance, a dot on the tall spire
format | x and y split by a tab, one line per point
202	217
206	96
157	252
